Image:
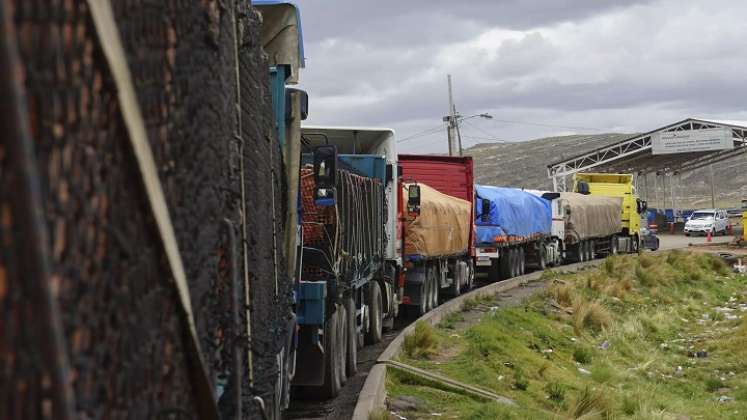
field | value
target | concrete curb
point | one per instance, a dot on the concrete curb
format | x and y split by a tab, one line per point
373	394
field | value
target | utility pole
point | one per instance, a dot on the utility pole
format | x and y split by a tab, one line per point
713	188
451	120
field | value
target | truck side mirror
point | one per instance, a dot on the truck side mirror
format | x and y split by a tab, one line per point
413	200
325	175
484	210
304	111
583	187
641	205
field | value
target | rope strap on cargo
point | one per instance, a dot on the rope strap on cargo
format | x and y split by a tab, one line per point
111	44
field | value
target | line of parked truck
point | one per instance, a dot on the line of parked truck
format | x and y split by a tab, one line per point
377	232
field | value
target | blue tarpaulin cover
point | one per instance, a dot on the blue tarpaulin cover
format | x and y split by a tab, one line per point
513	212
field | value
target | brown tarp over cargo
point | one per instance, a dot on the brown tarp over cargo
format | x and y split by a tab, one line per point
442	228
592	216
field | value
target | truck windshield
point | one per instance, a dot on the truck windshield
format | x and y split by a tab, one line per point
701	216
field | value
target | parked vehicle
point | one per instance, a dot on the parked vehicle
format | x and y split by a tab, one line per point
620	186
513	229
437	229
714	221
348	263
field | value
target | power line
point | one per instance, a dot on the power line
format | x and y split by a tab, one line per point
422	133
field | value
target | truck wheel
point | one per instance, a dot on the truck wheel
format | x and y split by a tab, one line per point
505	262
613	246
542	257
423	304
514	262
494	272
342	343
373	335
351	367
429	290
456	284
332	385
435	289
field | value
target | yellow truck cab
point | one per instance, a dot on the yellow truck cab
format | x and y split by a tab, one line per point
616	185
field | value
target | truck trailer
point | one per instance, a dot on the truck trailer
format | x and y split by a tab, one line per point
632	208
513	228
436	226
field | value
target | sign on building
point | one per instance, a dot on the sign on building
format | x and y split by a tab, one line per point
706	140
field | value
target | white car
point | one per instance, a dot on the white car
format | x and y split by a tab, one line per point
704	221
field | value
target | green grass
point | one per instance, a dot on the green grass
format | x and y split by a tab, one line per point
649	309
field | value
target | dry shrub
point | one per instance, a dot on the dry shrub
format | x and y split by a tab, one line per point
563	293
589	403
597	281
590	315
655	275
620	288
422	342
647	261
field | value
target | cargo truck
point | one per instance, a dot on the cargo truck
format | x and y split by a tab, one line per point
621	186
282	42
514	227
436	228
348	260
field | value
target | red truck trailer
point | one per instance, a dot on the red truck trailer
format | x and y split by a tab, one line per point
434	260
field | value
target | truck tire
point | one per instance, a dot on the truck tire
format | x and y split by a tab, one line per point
456	284
514	262
494	272
373	335
505	263
542	257
613	246
342	344
331	386
429	290
423	304
351	367
435	288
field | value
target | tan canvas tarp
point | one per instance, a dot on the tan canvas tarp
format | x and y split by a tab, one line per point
442	228
591	216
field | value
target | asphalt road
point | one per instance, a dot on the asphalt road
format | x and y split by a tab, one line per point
678	241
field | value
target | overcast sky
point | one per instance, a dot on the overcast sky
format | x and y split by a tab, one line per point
540	67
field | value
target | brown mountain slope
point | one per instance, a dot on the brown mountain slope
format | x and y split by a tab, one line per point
524	164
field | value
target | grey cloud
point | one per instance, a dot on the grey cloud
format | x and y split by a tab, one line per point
628	77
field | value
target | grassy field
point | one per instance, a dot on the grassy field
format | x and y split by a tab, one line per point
650	337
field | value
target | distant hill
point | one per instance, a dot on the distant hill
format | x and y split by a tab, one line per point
524	164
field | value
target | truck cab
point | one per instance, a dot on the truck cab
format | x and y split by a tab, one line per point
633	208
